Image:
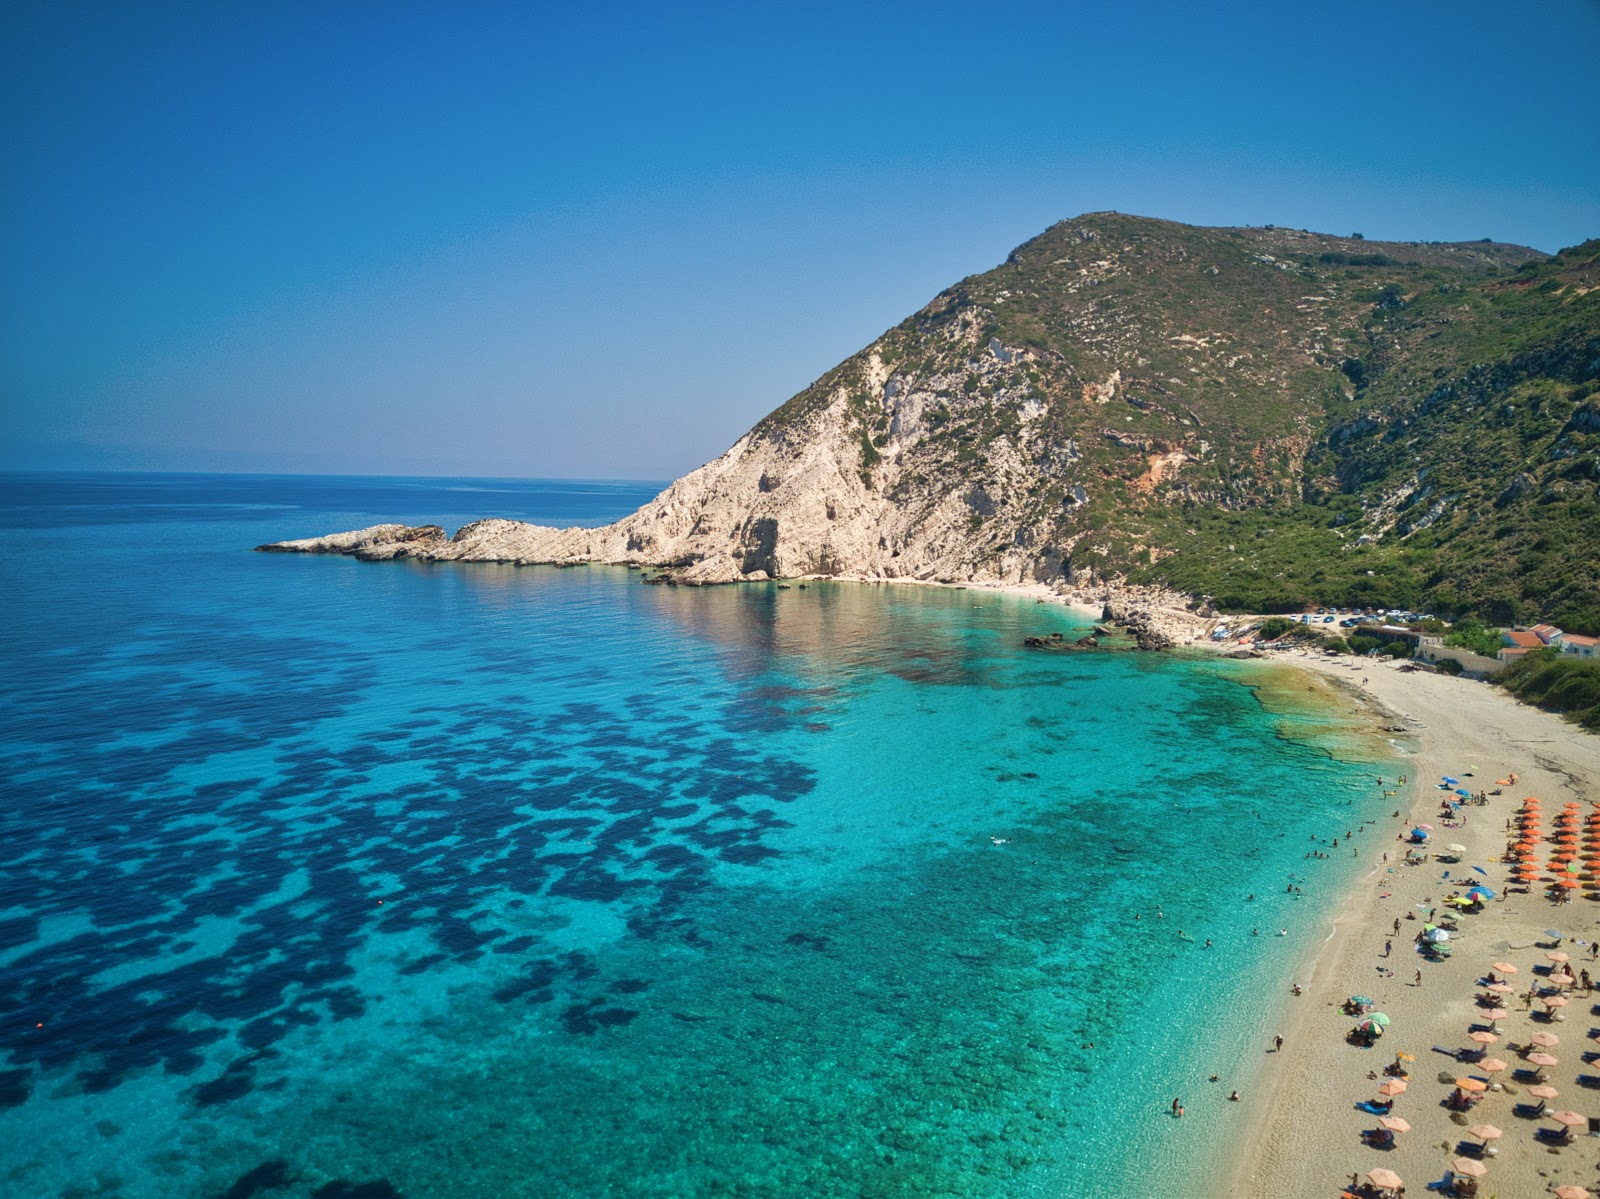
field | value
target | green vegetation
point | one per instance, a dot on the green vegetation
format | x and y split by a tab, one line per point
1272	418
1472	634
1557	682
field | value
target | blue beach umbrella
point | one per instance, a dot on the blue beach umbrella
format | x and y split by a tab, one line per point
1463	793
1481	871
1451	781
1483	891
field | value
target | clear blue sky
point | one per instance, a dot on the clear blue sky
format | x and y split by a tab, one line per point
603	240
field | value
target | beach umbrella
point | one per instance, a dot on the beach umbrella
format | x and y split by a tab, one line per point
1472	1084
1483	891
1394	1123
1449	780
1454	848
1361	1000
1572	1192
1381	1020
1568	1118
1464	794
1469	1167
1395	1086
1493	1065
1545	1040
1438	934
1483	1038
1543	1091
1543	1060
1555	955
1387	1179
1427	828
1554	1001
1499	988
1495	1013
1503	967
1569	883
1486	1132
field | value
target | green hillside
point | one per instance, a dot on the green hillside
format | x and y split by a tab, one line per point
1267	416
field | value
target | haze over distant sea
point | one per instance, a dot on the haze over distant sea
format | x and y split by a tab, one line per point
323	878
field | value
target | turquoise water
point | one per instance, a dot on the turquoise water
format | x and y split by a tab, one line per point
351	880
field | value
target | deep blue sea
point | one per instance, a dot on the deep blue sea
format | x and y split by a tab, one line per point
322	878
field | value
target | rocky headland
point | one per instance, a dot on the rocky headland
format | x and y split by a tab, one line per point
1139	414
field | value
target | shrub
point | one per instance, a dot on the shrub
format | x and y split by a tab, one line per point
1398	649
1448	666
1337	644
1362	644
1472	634
1558	683
1276	626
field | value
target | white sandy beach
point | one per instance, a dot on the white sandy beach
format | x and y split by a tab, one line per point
1304	1138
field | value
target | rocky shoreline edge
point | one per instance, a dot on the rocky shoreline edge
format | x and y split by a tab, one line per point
1155	618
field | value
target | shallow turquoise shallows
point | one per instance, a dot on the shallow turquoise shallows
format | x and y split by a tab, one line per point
322	878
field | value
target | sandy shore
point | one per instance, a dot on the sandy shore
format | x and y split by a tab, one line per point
1305	1131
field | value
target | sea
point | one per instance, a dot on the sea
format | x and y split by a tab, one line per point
344	880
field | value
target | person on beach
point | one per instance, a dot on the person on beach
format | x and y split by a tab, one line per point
1388	948
1277	1044
1234	1098
1175	1108
1418	983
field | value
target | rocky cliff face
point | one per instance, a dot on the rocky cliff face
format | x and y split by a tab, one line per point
1064	418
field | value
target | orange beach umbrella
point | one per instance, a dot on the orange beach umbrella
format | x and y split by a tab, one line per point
1472	1084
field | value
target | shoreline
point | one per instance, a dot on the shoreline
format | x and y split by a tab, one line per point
1302	1132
